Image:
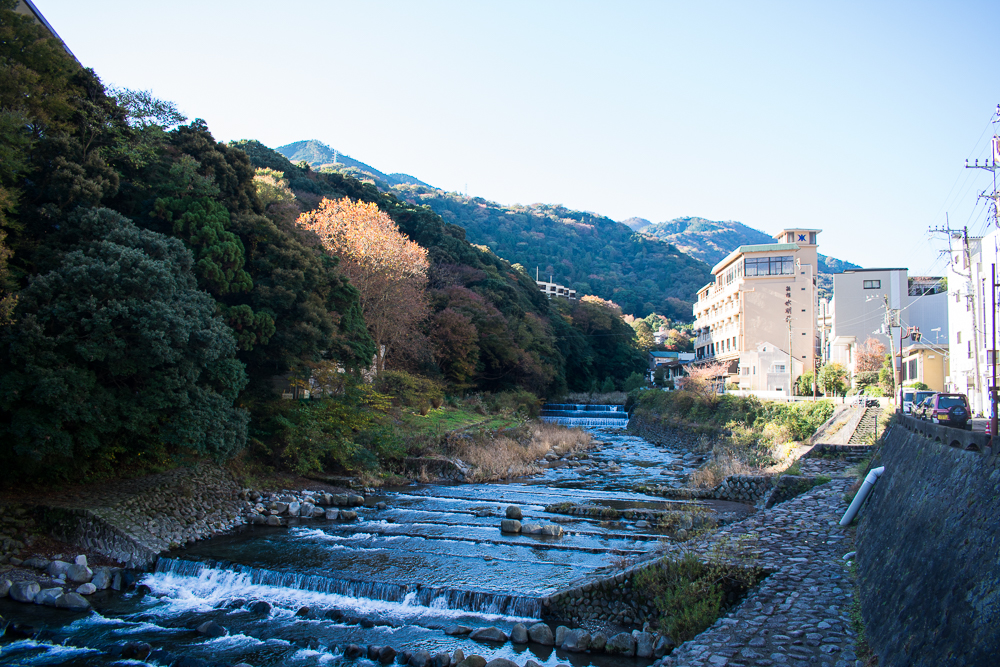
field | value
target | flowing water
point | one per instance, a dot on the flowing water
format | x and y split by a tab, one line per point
399	576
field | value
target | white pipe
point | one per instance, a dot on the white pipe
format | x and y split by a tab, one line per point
869	482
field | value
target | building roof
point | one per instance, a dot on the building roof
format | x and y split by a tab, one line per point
760	247
898	268
668	354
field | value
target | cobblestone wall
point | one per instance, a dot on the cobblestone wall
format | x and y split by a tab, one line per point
610	599
927	554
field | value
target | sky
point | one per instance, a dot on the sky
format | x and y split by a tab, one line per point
851	117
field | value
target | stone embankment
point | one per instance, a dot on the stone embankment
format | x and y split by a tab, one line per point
59	583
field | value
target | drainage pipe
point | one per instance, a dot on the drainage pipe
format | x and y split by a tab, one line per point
869	482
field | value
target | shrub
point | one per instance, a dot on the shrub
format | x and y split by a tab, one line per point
633	381
406	389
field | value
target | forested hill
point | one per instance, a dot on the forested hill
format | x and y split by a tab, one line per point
584	251
711	240
319	155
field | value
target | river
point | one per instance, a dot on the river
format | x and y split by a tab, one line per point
399	576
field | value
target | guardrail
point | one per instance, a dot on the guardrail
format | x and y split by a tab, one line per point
947	435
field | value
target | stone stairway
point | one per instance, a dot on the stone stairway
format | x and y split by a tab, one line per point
866	427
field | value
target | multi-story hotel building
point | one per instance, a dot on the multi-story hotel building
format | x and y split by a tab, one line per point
762	305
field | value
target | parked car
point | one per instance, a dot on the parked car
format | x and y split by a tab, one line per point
946	410
913	398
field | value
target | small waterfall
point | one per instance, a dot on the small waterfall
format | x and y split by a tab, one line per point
570	414
412	594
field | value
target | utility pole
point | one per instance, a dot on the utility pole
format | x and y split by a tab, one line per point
891	319
993	360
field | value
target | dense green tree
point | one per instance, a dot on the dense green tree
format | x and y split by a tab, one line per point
117	354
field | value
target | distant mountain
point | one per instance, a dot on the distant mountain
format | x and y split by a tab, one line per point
320	156
637	224
711	240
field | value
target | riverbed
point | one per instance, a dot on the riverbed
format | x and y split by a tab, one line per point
433	557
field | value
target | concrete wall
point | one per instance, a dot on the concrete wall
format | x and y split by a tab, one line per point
928	560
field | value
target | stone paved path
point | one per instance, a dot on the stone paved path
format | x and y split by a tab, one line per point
799	615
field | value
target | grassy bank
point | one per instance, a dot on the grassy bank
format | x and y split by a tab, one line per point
743	434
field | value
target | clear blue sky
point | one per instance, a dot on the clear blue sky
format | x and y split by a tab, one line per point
852	117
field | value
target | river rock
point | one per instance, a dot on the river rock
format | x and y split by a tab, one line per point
386	655
340	500
531	528
519	634
561	631
348	515
274	520
420	658
211	629
552	530
293	508
306	511
372	652
661	646
598	641
457	630
442	659
501	662
576	641
381	505
37	563
513	512
490	634
136	651
57	568
473	661
643	644
510	526
72	601
332	514
621	644
48	596
260	607
79	574
531	663
540	633
80	560
354	500
5	585
102	578
86	589
352	651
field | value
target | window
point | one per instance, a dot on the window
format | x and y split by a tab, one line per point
779	368
769	266
873	284
958	337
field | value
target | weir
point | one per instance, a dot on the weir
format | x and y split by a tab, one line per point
572	414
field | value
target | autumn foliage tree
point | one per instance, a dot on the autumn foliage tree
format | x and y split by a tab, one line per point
387	268
870	356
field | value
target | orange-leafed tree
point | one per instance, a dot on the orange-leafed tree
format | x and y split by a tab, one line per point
870	356
387	268
703	380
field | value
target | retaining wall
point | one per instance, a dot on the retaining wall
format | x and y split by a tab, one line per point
928	560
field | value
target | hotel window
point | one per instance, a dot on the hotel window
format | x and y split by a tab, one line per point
769	266
873	284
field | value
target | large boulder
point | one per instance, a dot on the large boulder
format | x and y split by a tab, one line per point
490	634
643	644
519	634
510	526
48	596
86	589
353	651
332	514
531	529
37	563
561	631
457	630
458	656
473	661
386	655
442	659
57	568
621	644
306	511
5	585
501	662
662	646
552	530
79	574
293	508
72	601
348	515
513	512
598	641
420	658
576	641
102	578
540	633
260	607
